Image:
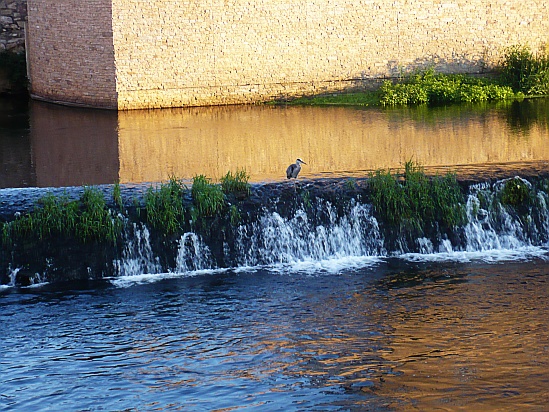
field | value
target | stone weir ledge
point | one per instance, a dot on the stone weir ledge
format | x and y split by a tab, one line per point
28	259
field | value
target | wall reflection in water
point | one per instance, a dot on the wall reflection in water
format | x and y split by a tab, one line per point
71	146
333	141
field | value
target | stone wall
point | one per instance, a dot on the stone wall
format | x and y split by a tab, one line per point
13	14
167	53
70	52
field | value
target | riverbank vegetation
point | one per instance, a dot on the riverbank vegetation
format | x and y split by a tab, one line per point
521	73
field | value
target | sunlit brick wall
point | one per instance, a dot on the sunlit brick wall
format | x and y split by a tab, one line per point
179	52
174	53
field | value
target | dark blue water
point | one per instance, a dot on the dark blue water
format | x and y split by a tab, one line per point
395	335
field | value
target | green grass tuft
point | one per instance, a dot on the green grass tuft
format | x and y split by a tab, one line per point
87	219
360	99
208	197
237	183
417	201
164	206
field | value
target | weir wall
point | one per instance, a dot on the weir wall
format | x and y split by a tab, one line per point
133	54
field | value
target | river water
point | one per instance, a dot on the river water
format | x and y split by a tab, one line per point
332	324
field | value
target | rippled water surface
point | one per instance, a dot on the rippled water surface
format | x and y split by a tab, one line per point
314	316
393	336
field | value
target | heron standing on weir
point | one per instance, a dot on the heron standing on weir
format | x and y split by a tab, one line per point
293	170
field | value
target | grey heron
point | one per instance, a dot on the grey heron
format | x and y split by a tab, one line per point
293	170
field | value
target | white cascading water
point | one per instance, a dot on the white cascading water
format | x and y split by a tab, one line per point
138	256
496	228
274	239
193	254
480	232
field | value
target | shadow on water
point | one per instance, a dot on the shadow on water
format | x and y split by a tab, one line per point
45	145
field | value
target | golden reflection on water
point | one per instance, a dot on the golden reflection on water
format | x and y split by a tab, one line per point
71	146
475	343
333	142
449	339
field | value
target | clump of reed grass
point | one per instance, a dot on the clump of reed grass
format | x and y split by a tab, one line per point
86	219
236	183
95	221
117	196
526	71
208	198
235	216
417	201
428	87
52	216
164	206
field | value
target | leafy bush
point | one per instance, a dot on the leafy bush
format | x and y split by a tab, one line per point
430	88
208	198
164	206
525	71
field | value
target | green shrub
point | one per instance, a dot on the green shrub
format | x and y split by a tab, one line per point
525	71
164	206
237	183
208	197
430	88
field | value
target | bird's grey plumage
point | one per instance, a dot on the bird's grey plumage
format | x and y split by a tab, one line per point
293	170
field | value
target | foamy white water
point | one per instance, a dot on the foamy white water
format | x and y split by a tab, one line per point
341	243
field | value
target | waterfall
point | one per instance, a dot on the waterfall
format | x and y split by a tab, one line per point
322	234
322	231
137	256
273	239
193	254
